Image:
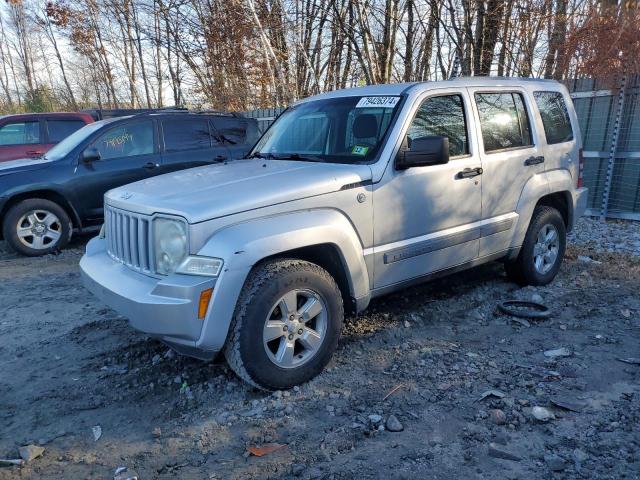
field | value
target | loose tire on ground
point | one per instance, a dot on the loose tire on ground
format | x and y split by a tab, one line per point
540	241
261	311
36	226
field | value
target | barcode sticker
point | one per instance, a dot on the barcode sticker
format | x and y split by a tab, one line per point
380	102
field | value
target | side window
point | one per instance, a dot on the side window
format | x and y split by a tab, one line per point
555	117
503	121
231	128
20	133
60	129
186	134
442	116
126	141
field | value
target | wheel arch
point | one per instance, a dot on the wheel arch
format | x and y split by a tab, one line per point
553	189
327	256
561	201
45	194
323	236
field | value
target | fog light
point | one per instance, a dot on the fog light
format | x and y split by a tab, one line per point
205	297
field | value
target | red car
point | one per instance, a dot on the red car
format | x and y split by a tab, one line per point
32	134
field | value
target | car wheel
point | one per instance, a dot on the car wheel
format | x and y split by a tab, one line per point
36	227
543	249
286	325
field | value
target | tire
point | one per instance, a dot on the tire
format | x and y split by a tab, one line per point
260	314
527	269
36	226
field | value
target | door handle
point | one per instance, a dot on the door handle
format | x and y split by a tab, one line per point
220	158
534	160
150	165
469	173
34	152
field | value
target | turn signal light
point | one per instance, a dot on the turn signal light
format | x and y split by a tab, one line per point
205	298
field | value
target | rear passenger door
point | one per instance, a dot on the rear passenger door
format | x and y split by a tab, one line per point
190	142
21	139
510	158
562	144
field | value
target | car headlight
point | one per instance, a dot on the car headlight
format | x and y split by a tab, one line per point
170	242
205	266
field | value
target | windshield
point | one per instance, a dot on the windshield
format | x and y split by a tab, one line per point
339	130
63	148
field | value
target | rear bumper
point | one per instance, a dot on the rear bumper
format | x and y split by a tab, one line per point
580	196
165	308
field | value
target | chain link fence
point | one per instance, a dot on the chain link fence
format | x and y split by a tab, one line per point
610	124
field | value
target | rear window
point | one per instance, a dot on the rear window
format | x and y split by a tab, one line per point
232	129
555	117
503	121
61	129
186	134
20	133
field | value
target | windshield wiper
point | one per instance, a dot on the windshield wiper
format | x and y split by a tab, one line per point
296	156
258	155
285	156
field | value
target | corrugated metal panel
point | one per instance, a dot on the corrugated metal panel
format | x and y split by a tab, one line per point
597	113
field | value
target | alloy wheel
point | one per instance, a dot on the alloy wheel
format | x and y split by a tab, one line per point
295	328
39	229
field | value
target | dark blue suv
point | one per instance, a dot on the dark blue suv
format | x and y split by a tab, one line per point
43	200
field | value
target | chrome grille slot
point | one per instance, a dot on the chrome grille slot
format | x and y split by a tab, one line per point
128	238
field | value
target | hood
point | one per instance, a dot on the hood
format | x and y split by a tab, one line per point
214	191
22	164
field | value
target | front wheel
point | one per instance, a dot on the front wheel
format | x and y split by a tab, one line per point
36	226
286	325
543	249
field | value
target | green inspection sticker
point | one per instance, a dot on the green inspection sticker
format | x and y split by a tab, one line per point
360	150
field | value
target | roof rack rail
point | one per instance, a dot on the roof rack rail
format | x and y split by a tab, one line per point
222	113
104	113
162	111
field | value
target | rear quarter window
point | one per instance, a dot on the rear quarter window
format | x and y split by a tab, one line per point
61	129
555	117
231	128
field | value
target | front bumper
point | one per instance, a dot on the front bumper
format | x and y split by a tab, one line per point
580	196
165	308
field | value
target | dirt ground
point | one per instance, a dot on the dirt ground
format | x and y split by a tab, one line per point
425	356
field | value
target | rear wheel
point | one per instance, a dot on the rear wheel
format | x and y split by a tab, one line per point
543	249
286	325
36	227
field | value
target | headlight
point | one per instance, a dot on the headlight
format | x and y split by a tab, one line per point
103	232
170	242
206	266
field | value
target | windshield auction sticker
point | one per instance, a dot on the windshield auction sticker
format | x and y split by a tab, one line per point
379	102
360	150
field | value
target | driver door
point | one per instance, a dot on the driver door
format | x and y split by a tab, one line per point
425	217
128	152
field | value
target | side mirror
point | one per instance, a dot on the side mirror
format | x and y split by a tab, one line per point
90	154
424	151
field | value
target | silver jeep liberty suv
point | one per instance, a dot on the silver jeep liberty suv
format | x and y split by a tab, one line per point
349	195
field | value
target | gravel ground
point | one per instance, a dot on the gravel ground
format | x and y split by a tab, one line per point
432	382
610	236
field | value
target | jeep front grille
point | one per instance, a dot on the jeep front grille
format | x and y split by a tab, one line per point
129	238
